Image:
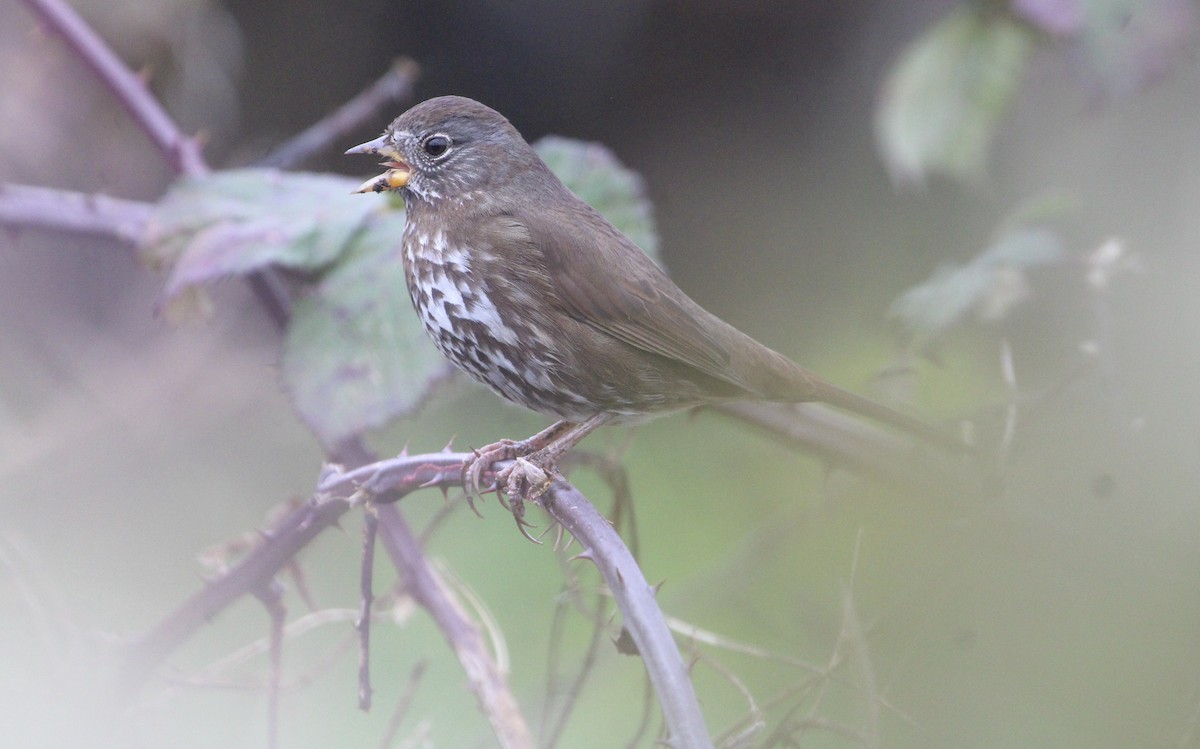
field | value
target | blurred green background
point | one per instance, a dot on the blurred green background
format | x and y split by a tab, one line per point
1062	611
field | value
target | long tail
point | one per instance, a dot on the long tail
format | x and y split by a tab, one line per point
772	376
844	399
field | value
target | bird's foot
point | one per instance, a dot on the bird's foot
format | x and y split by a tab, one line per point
532	471
481	460
523	479
478	464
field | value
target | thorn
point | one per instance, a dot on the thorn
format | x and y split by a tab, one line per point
447	448
585	554
404	452
145	74
445	493
659	586
436	481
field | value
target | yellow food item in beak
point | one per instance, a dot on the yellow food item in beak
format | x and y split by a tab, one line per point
392	179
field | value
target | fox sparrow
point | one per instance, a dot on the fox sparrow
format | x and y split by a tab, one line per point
532	292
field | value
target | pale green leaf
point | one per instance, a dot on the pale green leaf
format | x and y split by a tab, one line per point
234	222
355	355
945	97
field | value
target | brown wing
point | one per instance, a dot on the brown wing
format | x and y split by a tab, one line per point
605	280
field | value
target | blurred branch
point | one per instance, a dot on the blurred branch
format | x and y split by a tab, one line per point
84	213
271	597
393	86
130	89
337	493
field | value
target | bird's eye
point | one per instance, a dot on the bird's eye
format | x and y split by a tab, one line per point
436	145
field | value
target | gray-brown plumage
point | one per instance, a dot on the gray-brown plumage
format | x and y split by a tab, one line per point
534	293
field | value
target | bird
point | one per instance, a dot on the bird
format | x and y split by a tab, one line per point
532	292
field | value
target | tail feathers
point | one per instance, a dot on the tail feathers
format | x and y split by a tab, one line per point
854	403
792	383
772	376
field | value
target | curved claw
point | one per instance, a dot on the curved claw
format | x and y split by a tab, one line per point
518	513
472	474
480	461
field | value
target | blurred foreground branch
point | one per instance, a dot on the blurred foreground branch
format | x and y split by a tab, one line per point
394	85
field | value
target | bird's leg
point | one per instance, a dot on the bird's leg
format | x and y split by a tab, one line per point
535	462
506	449
529	476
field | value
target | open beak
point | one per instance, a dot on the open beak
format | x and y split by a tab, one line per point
397	173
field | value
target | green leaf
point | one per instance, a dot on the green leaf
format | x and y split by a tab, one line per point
945	97
356	356
933	306
989	286
238	221
594	174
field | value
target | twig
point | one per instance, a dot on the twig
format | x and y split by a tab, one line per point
571	592
280	544
271	596
180	150
643	726
394	85
367	597
402	705
215	673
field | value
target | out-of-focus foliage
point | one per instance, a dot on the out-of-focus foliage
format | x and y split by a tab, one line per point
239	221
991	283
946	96
951	88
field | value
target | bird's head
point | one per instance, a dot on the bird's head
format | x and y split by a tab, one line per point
447	147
